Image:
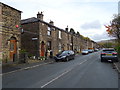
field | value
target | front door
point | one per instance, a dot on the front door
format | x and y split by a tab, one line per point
42	48
13	47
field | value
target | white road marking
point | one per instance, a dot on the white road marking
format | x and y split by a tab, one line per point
61	75
82	62
56	78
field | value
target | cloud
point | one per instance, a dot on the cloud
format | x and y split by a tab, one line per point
91	25
86	16
62	1
100	37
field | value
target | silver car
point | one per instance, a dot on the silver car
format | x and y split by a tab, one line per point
109	54
84	52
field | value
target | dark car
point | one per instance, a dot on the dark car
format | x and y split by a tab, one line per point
109	54
65	55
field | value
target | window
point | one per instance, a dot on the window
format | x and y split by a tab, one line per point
49	45
60	47
49	31
68	36
53	29
11	46
60	35
42	24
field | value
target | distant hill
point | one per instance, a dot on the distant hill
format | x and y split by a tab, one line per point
107	41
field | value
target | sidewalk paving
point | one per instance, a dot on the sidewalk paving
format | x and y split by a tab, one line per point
30	63
118	66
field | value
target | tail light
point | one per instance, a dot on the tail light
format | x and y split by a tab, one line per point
103	53
114	53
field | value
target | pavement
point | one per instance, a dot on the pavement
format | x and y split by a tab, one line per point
30	64
117	66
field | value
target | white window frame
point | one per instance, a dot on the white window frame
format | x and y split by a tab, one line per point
60	47
49	31
60	35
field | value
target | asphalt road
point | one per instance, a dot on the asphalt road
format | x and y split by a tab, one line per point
85	71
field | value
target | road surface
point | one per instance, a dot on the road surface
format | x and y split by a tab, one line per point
85	71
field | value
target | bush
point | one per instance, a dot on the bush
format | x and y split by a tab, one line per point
42	58
23	51
118	50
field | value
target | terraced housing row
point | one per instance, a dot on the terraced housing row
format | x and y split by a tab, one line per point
35	36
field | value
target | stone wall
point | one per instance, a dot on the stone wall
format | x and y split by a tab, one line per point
64	40
10	18
31	31
68	41
0	31
55	41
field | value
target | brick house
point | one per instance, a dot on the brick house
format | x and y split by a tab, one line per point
40	37
9	32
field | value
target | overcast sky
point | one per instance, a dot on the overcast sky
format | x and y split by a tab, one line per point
86	16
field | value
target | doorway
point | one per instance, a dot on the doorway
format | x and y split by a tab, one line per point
42	48
13	47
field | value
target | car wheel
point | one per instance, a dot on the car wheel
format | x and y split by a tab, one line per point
116	60
56	60
101	60
67	59
73	58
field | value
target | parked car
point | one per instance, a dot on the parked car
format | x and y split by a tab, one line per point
96	49
90	50
65	55
84	52
109	54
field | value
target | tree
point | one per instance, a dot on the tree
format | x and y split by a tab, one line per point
108	45
114	28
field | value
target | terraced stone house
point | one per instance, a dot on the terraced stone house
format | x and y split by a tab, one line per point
44	37
10	36
40	37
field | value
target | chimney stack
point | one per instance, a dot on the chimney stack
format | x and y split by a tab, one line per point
51	22
66	28
40	16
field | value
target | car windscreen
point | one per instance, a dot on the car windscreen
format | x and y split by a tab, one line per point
109	50
85	50
64	52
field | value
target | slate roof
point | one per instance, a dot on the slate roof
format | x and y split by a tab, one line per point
34	19
29	20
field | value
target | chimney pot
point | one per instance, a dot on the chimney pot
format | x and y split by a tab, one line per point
40	16
51	22
66	28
